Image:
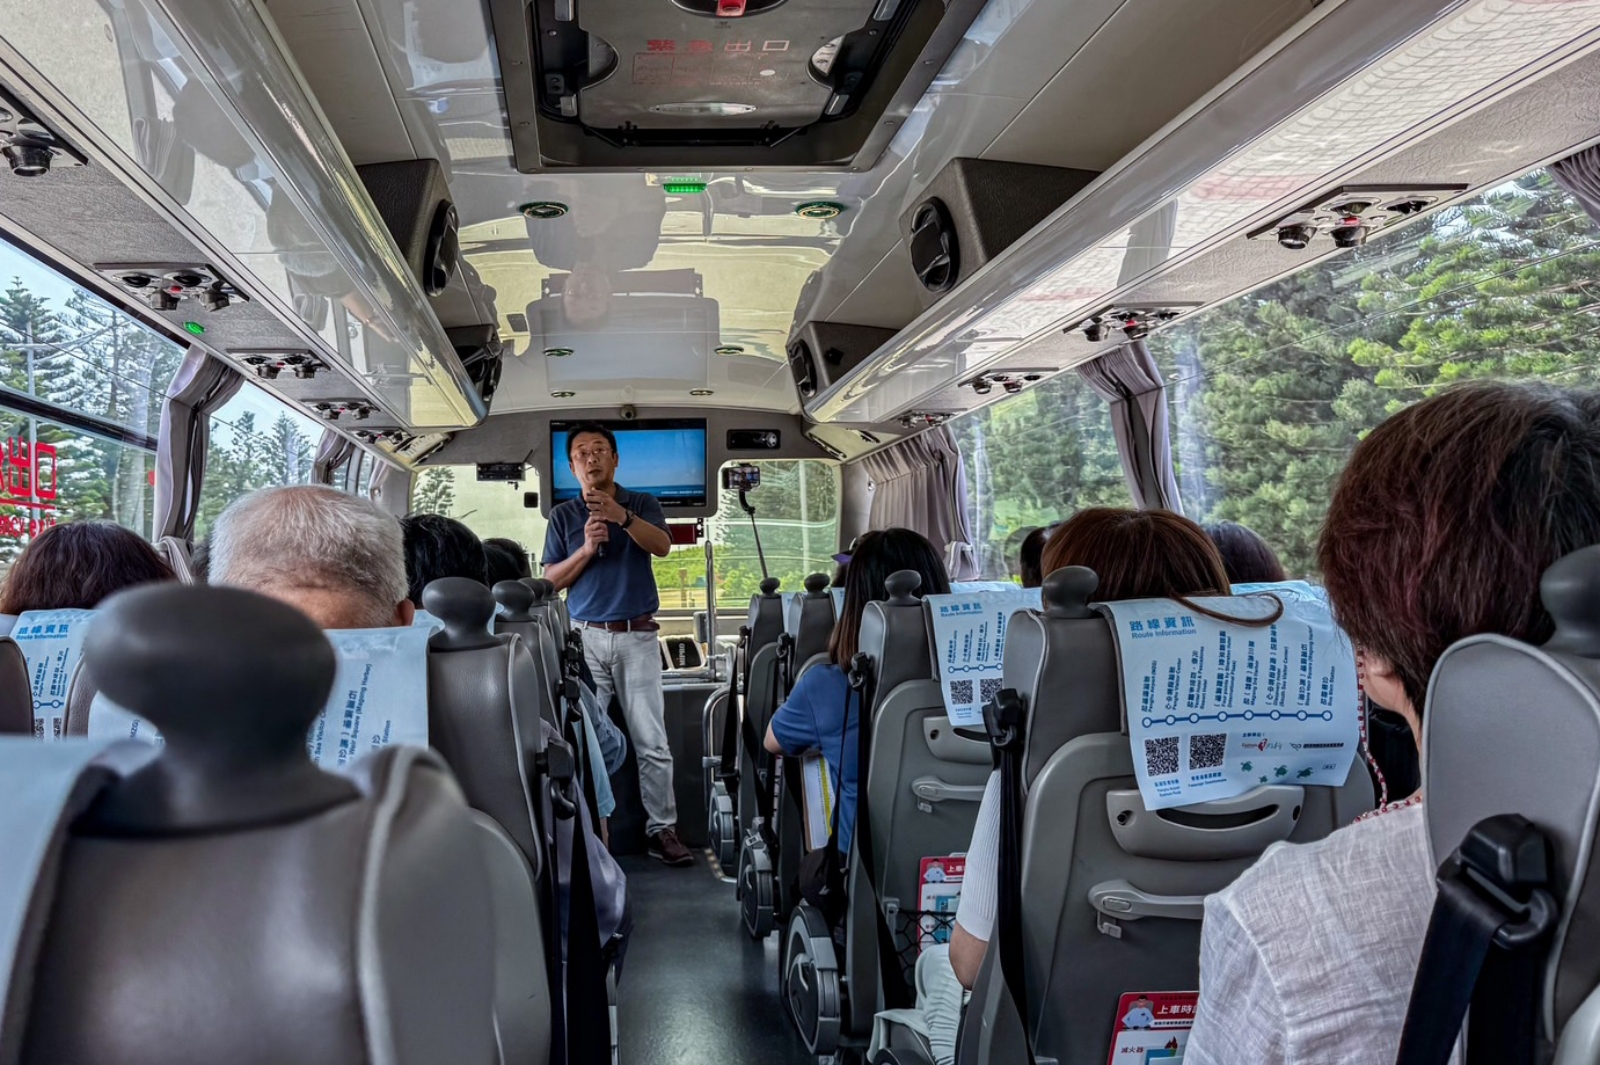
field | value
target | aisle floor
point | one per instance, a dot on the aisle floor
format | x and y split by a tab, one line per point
696	990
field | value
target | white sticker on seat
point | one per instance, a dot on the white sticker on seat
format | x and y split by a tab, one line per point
379	699
52	643
969	644
1217	708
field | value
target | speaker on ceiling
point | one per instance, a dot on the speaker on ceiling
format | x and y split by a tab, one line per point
823	352
973	210
414	201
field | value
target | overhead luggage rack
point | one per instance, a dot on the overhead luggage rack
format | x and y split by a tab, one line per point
707	84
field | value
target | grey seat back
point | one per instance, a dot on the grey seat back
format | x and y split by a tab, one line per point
809	618
181	914
1510	728
1086	835
923	783
760	681
16	694
486	697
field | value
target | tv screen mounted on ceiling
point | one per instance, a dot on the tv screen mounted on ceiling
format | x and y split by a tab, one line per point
665	457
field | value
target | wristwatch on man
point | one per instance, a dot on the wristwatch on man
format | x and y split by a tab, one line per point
629	520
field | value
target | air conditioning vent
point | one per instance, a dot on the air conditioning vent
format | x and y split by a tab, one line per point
824	352
804	369
443	252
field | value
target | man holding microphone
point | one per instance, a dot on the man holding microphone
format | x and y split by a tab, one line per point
599	547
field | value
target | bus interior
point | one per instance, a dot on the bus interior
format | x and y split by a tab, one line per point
821	267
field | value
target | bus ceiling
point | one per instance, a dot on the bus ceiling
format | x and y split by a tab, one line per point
401	216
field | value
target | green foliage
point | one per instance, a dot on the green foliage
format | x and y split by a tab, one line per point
435	492
1273	390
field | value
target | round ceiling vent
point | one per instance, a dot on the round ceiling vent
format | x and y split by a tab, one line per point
544	209
442	252
935	251
821	209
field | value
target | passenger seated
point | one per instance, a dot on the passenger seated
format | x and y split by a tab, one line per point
1245	555
1030	557
336	557
813	716
437	546
507	560
74	566
1137	554
1439	528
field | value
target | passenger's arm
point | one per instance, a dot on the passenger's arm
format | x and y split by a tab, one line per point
1239	1017
975	913
771	742
793	727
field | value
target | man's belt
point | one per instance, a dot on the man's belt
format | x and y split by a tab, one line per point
647	623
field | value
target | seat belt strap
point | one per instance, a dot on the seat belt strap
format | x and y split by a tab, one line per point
1484	953
896	993
588	1003
728	760
1006	720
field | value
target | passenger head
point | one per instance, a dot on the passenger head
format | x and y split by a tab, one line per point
1138	554
336	557
873	557
508	560
1030	556
1446	517
74	566
1245	555
437	546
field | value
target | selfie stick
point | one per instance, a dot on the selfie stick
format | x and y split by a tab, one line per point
744	505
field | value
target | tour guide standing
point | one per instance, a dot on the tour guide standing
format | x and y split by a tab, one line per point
598	546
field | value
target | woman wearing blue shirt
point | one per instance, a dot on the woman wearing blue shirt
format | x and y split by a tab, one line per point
813	715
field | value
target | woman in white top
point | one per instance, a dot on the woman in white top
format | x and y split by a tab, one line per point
1439	528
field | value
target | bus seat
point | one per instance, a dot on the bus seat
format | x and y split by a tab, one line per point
809	620
180	915
1537	709
759	905
16	692
1081	797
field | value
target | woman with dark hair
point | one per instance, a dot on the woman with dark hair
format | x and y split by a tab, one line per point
813	716
1439	528
1030	556
1137	554
74	566
507	559
1245	555
437	546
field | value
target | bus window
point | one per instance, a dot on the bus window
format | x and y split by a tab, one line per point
256	442
797	507
1270	392
84	447
488	508
1033	460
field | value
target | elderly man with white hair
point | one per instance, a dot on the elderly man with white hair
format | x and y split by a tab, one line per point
335	557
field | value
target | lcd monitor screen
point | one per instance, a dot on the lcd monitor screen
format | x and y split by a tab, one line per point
665	457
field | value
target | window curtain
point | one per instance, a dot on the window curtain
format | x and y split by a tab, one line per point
1579	174
919	484
1127	378
333	451
391	489
200	388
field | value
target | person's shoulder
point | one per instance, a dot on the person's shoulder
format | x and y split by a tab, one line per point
567	510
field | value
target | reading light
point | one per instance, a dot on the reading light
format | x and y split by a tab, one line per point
544	209
563	394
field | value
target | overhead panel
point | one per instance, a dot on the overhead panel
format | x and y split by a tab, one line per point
706	84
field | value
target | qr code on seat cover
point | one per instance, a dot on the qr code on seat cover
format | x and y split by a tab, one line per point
1207	752
1161	756
988	688
961	692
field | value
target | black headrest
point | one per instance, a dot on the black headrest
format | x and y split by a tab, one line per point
232	680
465	607
516	598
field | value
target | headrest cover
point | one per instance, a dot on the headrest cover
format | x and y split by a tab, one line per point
968	632
232	680
465	608
514	598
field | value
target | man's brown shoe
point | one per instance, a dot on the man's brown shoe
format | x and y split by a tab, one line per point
665	847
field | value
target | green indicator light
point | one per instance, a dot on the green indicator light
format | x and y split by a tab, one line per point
194	327
683	188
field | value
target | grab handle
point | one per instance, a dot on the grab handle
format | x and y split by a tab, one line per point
1124	902
932	789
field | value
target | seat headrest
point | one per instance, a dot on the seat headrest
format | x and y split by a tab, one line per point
809	618
766	618
1221	695
465	608
232	680
1509	728
894	635
968	630
514	599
